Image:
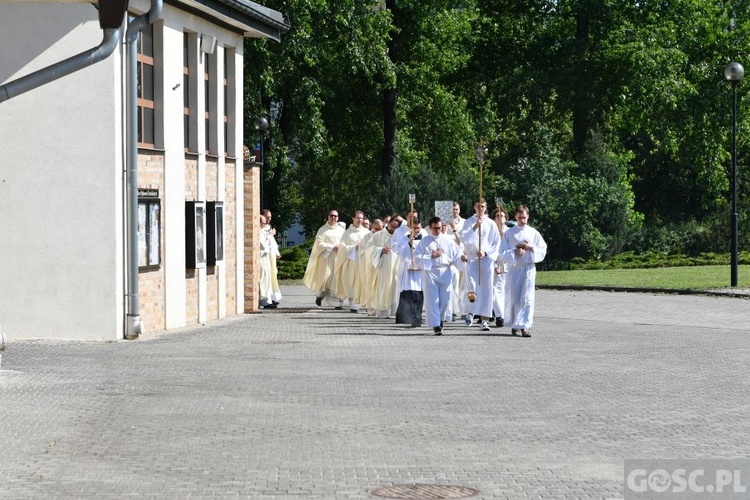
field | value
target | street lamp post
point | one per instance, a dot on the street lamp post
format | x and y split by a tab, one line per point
734	72
261	125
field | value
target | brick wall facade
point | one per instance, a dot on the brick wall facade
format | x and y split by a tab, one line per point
230	237
152	283
252	243
151	286
191	275
212	276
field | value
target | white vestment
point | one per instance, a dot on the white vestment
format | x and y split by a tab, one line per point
384	299
319	272
485	266
520	293
501	273
459	280
266	289
345	273
273	255
365	283
437	274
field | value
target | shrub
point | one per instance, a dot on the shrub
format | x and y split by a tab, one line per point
293	262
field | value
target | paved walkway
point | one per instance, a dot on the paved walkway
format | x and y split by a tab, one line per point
327	404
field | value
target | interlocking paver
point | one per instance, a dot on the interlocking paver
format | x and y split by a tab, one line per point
329	404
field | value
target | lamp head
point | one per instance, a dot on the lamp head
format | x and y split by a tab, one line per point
261	124
734	72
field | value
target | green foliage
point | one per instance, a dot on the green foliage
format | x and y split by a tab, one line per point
690	238
651	259
610	119
293	262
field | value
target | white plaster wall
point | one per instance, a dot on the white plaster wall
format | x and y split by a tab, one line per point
174	179
60	181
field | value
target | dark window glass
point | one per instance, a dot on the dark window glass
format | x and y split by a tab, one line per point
147	41
148	82
148	125
187	131
140	124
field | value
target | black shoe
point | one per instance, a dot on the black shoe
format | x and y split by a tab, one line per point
499	322
275	302
437	330
338	308
270	306
513	332
354	310
318	301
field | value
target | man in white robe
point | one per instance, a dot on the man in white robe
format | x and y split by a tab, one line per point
265	286
459	280
501	270
345	274
366	282
383	260
410	298
273	255
522	248
437	254
319	273
481	246
401	238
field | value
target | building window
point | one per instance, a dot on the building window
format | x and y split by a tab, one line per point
215	232
195	231
149	229
186	88
145	67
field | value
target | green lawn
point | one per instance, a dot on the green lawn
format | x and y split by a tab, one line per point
688	277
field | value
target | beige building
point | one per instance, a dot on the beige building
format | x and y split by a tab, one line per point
97	243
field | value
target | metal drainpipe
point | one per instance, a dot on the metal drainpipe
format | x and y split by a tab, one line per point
111	37
133	327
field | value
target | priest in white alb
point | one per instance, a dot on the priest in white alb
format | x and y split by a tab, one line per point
384	299
319	273
345	273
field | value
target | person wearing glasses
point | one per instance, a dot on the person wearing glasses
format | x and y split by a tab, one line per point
438	255
319	273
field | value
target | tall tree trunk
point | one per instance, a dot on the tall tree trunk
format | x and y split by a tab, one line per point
388	156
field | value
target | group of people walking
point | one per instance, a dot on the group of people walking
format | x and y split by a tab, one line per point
479	268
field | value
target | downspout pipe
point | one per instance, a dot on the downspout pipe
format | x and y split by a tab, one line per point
111	37
133	326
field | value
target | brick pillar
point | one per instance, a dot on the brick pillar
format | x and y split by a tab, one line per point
252	243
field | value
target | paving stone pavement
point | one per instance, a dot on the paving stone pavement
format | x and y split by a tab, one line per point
307	402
